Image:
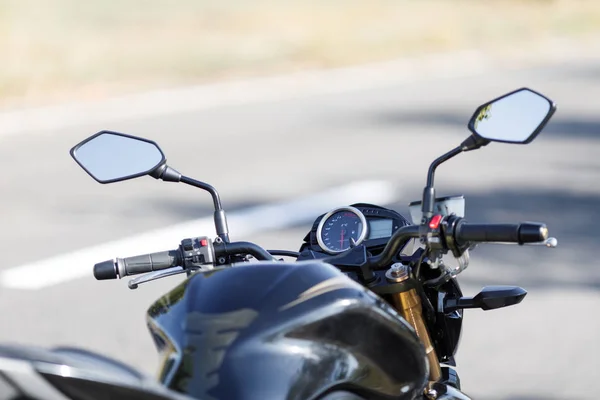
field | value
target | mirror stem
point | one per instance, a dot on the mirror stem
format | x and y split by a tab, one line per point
168	174
473	142
219	216
204	186
429	191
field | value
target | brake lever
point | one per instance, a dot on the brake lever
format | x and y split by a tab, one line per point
551	242
133	283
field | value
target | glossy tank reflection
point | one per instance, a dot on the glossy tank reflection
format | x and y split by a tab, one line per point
307	324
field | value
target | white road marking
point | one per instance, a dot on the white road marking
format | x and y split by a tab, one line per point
79	264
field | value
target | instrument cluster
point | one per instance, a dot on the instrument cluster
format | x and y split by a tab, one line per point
345	227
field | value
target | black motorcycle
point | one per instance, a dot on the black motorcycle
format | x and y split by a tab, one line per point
368	310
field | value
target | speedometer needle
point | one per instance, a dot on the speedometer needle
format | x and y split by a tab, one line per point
342	240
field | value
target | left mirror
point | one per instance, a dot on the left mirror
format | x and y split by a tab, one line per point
111	157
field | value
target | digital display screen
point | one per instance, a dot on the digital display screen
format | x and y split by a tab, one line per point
380	228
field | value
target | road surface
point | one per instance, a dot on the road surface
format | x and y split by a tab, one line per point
274	152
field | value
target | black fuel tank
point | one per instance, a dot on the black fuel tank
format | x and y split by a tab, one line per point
283	331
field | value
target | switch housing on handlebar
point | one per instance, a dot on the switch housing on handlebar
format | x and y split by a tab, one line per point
198	253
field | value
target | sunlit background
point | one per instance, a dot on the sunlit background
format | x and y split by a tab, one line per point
68	50
274	103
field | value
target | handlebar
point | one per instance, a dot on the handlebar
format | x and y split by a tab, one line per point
463	234
234	248
121	267
459	232
396	242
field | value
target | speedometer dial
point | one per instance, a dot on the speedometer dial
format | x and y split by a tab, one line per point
340	229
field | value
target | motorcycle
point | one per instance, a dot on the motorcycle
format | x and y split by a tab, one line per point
358	313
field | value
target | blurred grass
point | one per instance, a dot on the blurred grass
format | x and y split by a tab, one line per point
56	50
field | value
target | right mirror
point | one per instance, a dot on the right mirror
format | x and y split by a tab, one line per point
516	117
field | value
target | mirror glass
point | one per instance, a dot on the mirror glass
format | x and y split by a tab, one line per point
111	157
514	118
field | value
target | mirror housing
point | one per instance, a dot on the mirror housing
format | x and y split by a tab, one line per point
113	157
517	117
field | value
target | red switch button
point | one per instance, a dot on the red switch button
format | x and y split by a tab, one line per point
434	223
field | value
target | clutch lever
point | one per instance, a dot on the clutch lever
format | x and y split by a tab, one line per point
133	283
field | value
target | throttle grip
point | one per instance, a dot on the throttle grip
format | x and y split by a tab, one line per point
526	232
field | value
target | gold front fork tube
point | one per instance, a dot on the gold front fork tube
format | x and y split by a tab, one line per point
409	306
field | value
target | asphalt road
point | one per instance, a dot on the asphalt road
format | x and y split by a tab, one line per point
546	347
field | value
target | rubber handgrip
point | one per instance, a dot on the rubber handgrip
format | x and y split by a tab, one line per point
105	270
527	232
149	262
466	232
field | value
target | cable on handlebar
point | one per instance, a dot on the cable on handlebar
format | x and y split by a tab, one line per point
234	248
396	242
